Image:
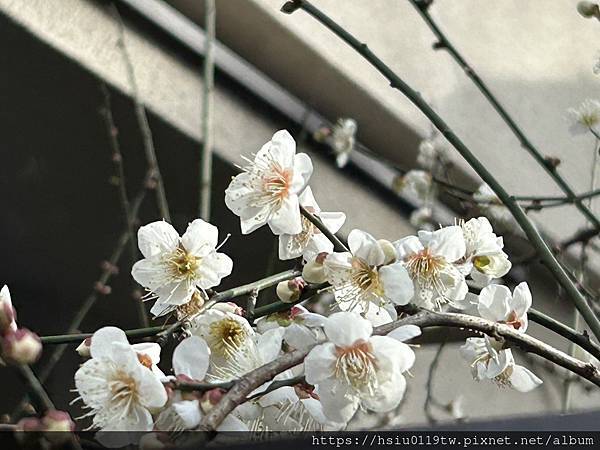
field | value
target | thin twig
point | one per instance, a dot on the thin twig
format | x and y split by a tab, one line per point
528	227
443	43
429	399
210	12
142	119
36	391
117	158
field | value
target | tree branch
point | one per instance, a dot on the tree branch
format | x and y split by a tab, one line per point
338	245
443	43
530	230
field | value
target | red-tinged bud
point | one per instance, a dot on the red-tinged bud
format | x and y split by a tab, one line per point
27	431
29	424
211	398
107	266
289	291
229	307
84	348
21	347
314	271
102	289
55	420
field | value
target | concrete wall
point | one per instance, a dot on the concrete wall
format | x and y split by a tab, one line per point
170	85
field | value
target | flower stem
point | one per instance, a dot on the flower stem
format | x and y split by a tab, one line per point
528	227
338	245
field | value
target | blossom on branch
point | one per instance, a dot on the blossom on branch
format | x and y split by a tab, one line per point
496	303
369	273
490	362
356	369
585	118
310	241
175	268
429	260
118	384
267	190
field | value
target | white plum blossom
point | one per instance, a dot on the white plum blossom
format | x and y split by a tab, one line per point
490	362
484	258
343	139
267	190
585	118
496	303
417	184
356	369
118	385
302	328
368	273
429	259
493	207
185	410
310	242
432	151
174	268
224	331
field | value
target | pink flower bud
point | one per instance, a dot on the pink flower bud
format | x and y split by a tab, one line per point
314	271
289	291
55	420
102	289
21	347
211	398
229	307
84	348
29	424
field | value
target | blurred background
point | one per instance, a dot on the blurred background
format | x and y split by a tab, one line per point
61	215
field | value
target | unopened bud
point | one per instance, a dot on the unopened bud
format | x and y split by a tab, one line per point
388	250
552	162
7	312
28	424
588	9
60	421
84	348
314	271
321	134
102	288
289	291
21	347
211	398
109	267
229	307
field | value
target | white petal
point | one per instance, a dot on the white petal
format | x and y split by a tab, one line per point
151	391
232	423
521	301
337	406
366	247
150	272
408	246
103	340
319	364
200	238
405	333
397	284
269	344
287	219
448	242
157	237
191	358
391	354
333	220
303	169
307	199
281	148
388	395
523	380
494	302
189	413
283	394
345	328
212	269
150	349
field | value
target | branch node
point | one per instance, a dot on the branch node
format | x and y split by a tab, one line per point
291	6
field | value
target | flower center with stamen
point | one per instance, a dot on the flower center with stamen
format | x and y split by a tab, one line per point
365	277
183	264
123	389
191	308
226	334
278	182
424	265
513	321
356	365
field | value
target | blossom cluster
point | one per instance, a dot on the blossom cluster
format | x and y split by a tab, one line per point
348	365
